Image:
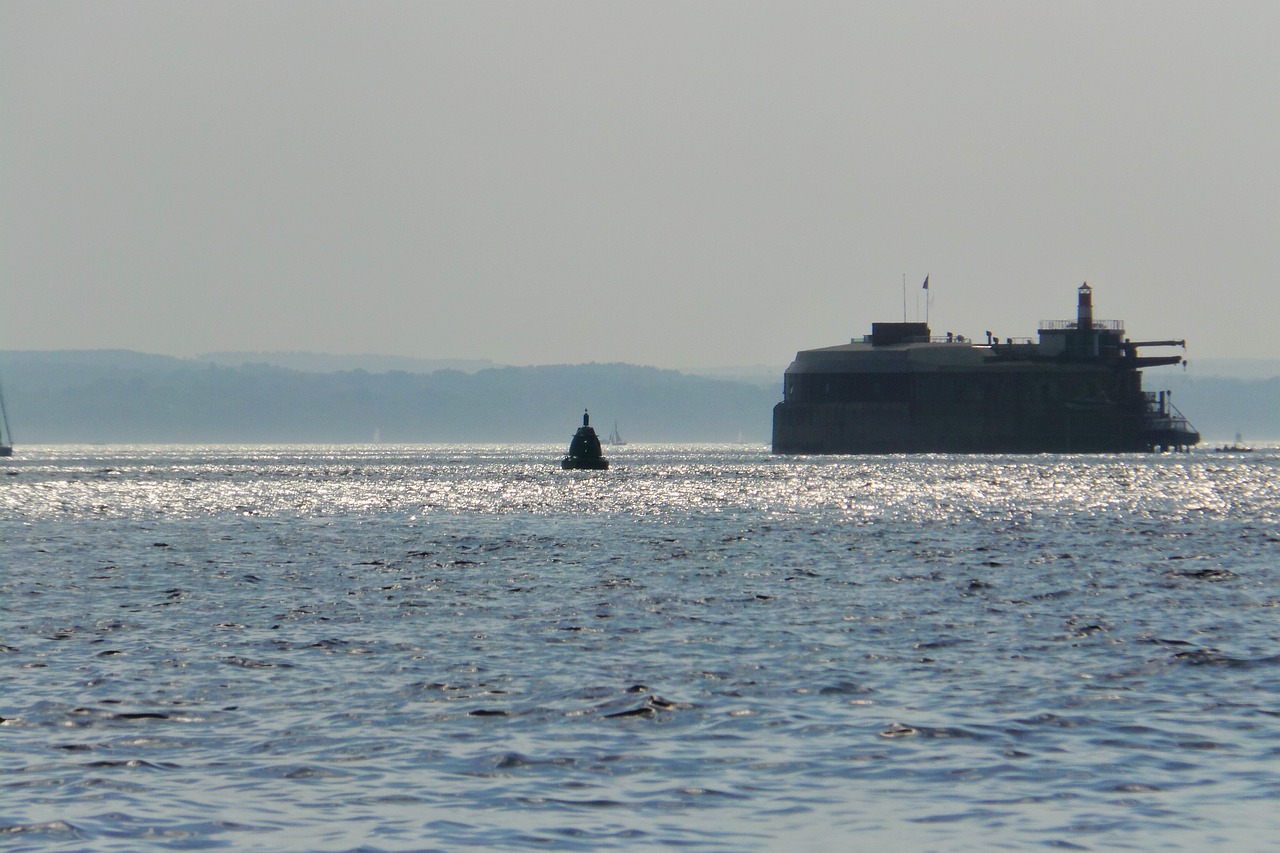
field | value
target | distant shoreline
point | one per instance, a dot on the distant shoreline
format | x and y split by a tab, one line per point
126	397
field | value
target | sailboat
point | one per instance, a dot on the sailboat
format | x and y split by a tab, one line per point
6	437
615	437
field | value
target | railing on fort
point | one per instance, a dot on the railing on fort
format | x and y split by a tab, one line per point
1066	325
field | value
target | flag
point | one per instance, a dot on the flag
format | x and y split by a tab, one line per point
926	283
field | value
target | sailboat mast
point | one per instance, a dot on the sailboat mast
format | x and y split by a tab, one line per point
6	438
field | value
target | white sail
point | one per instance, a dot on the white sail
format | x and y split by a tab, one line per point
6	437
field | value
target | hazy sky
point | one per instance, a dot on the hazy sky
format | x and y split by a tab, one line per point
683	184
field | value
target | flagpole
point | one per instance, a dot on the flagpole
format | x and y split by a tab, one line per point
904	297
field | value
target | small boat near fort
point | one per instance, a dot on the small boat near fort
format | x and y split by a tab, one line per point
1238	447
584	450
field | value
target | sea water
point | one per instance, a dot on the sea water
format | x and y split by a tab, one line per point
705	648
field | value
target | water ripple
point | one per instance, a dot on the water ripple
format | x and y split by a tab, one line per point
437	648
